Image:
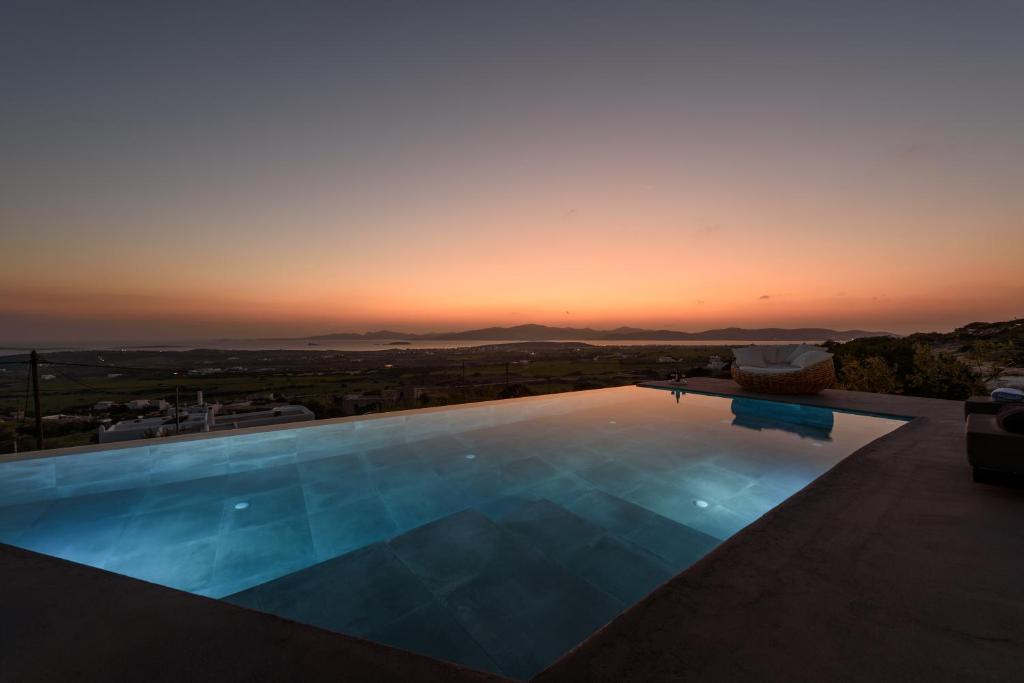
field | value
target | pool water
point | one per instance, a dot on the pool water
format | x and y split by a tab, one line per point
496	535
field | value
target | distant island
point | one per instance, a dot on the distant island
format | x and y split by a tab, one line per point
625	334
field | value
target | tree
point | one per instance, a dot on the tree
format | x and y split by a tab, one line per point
940	375
869	374
8	436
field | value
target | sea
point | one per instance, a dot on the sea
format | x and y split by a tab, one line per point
361	344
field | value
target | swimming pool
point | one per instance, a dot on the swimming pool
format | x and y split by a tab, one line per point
496	535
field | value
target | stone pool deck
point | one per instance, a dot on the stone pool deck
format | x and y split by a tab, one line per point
894	565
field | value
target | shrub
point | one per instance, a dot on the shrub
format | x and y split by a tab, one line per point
889	365
940	375
870	374
515	391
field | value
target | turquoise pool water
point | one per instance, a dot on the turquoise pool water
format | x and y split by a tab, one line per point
496	535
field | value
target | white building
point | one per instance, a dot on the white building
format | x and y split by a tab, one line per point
139	428
147	404
200	417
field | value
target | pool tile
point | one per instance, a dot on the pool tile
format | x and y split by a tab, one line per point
677	544
432	630
261	446
711	482
326	492
256	553
528	471
666	500
610	512
263	462
263	508
15	519
334	467
185	455
72	536
562	489
329	441
612	476
455	549
550	527
358	594
344	528
27	475
398	456
170	476
170	526
181	493
446	455
415	505
572	457
747	464
525	614
392	478
619	568
755	500
107	504
479	485
719	521
263	479
187	567
90	468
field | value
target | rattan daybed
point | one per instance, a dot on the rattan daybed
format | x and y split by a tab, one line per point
784	369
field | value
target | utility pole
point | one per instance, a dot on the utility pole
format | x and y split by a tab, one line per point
35	396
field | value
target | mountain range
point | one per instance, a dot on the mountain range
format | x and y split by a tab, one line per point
547	333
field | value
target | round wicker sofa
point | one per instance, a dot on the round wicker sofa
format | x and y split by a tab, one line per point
809	380
784	369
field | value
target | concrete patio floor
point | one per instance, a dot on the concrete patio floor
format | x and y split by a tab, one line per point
893	565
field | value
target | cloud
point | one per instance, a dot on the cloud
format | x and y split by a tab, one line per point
764	297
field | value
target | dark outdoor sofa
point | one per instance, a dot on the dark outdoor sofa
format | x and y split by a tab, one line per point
995	438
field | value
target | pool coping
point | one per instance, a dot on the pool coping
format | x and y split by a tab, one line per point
750	610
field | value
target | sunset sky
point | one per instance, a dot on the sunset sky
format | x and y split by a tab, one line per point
175	170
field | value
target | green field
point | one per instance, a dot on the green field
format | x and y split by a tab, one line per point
74	381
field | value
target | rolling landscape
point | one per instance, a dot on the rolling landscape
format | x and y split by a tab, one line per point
976	356
535	332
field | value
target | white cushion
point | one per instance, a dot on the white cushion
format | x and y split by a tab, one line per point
777	353
750	356
809	358
798	350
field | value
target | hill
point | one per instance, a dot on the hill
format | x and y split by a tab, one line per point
625	334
